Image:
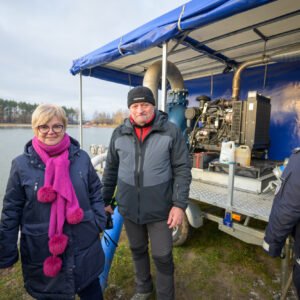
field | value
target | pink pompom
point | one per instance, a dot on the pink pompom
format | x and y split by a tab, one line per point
52	266
58	243
75	216
46	194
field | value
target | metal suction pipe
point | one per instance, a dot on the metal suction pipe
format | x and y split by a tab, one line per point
153	76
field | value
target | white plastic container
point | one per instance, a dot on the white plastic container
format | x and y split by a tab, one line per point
243	155
227	154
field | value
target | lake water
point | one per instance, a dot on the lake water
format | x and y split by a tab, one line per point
12	141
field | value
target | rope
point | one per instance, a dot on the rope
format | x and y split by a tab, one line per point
107	239
119	47
179	19
286	287
266	65
129	81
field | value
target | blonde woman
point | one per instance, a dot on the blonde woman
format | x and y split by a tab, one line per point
54	197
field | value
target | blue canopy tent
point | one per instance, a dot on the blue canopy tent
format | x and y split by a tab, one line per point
174	25
204	39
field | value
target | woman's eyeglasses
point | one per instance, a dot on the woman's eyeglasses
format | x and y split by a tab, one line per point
57	128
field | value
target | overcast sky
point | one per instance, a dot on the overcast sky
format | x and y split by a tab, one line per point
40	39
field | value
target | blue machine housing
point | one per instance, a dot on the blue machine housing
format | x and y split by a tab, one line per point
176	106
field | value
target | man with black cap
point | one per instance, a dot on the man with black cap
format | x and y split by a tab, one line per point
149	162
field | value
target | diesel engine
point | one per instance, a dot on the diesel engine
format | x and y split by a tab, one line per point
215	121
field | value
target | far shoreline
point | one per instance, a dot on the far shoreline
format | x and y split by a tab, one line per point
4	125
13	125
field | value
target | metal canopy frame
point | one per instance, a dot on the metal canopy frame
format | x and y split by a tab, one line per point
219	47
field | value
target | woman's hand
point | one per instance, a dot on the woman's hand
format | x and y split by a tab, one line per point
109	209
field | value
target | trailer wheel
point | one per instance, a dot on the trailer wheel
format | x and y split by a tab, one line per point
181	233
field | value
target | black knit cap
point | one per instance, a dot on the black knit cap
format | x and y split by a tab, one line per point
140	94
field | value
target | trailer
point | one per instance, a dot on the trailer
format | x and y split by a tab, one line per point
228	71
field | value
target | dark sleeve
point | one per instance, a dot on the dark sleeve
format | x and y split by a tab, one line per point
285	213
181	168
96	198
110	175
13	204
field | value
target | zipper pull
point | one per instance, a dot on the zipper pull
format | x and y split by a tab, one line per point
35	186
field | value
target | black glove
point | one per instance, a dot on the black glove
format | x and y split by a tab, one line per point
109	221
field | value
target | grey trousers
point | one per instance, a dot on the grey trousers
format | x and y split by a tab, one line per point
160	237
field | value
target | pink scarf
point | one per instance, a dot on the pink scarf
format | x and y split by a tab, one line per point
59	191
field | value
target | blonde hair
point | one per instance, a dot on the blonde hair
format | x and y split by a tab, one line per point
44	113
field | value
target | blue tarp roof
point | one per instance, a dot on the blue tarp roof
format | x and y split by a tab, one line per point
192	15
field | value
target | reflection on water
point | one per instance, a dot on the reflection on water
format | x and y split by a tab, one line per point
12	141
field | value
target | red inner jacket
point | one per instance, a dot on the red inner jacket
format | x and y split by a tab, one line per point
142	131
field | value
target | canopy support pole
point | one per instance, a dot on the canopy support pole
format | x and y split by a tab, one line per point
164	76
80	114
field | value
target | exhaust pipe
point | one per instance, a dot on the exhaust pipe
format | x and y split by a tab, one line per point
153	76
293	54
236	82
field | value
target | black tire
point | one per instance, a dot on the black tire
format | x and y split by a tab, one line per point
181	233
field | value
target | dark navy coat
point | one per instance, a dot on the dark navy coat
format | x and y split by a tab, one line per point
83	259
285	214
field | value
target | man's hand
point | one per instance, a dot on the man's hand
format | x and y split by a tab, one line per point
175	217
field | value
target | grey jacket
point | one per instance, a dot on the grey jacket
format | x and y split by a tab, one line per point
151	176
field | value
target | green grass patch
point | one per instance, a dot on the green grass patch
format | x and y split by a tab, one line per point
11	284
211	265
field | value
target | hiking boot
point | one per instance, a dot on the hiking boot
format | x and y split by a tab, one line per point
141	296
